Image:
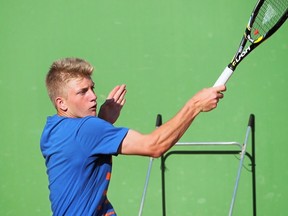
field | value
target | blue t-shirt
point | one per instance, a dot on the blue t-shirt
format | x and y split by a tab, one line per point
78	156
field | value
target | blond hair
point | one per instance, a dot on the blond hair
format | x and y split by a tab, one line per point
62	71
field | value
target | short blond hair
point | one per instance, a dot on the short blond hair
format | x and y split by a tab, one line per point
62	71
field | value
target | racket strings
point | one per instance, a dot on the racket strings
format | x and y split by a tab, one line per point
267	17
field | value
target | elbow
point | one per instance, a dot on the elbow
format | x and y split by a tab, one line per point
153	149
156	146
156	154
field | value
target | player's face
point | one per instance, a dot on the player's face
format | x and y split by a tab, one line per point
81	99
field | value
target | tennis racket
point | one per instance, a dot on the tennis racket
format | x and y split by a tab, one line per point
266	18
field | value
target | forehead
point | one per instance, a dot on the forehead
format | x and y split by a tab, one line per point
78	83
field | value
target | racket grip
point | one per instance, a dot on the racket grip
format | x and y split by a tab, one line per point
223	78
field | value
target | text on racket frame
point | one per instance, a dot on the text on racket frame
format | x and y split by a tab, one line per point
241	56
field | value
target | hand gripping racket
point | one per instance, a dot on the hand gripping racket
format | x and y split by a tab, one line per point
266	18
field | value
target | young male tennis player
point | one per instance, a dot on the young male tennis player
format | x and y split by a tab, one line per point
78	144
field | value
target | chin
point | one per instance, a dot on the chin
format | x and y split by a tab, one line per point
94	113
89	114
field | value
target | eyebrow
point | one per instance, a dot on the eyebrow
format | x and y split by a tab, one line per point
85	88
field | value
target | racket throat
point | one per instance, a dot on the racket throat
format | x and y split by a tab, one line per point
239	57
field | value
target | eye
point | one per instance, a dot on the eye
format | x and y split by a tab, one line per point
82	91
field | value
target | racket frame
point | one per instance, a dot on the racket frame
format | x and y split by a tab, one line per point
243	51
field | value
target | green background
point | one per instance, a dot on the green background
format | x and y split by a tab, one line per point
165	51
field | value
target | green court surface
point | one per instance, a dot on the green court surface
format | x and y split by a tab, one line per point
165	51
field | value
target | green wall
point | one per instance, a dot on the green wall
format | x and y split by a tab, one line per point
165	51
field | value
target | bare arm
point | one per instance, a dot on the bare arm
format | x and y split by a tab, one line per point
164	137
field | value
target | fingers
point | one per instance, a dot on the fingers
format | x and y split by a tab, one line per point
218	92
221	88
208	98
220	95
118	94
115	91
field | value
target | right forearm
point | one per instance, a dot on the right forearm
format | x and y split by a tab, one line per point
168	134
164	137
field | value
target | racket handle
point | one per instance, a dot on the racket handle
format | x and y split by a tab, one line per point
224	77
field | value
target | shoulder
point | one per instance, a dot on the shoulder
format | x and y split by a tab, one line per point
93	120
94	125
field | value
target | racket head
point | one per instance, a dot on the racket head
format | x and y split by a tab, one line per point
266	18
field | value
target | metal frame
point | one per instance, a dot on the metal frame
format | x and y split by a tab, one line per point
251	127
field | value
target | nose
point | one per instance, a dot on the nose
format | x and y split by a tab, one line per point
93	95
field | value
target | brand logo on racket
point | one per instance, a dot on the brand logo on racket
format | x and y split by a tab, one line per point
241	56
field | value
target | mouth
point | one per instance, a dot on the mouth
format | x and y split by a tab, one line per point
93	108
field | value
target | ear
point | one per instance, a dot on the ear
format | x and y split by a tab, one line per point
61	104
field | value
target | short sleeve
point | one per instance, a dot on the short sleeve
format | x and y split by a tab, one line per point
97	136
